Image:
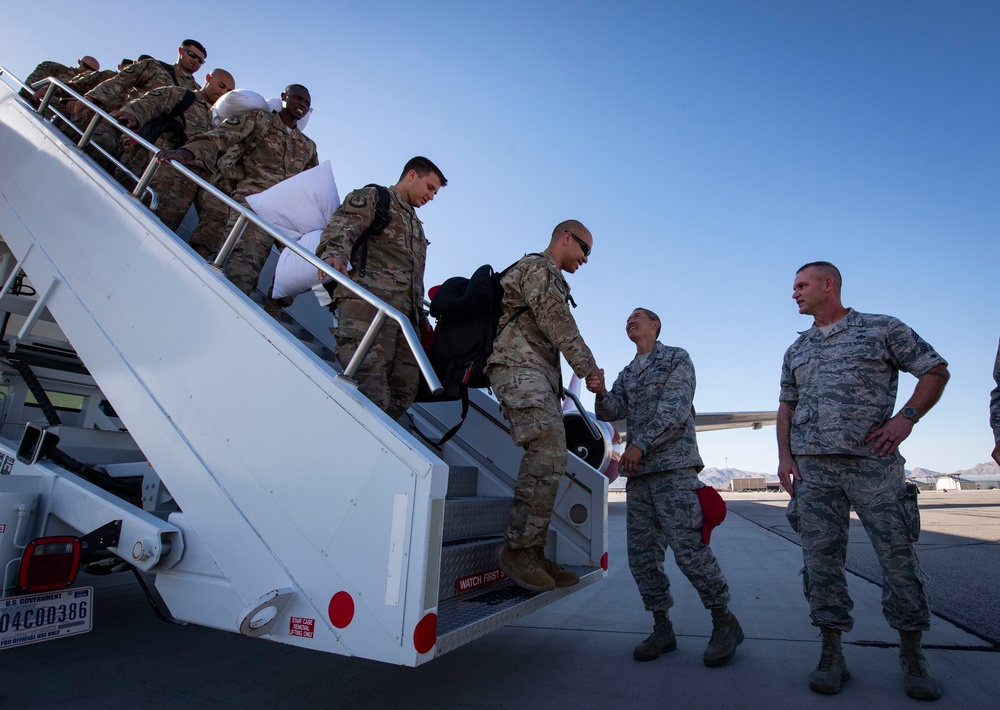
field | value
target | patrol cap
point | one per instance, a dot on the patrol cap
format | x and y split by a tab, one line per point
714	510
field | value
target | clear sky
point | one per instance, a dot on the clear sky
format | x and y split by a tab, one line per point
711	147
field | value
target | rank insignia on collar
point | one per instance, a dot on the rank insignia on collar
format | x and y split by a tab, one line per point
357	201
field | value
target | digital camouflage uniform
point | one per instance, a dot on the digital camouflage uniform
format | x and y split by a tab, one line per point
176	193
842	386
663	509
260	151
394	271
525	374
995	400
131	82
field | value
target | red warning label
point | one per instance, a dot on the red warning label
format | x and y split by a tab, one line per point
301	627
474	581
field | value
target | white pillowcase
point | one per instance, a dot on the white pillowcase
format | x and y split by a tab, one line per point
295	275
299	204
238	101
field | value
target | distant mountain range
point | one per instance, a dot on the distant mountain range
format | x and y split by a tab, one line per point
720	477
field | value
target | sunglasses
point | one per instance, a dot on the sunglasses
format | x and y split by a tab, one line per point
85	65
583	245
201	60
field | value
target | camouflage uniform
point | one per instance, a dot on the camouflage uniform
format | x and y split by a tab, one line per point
260	151
526	377
131	82
995	400
45	70
842	386
663	509
394	272
176	192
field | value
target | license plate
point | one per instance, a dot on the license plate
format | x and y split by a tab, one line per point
43	617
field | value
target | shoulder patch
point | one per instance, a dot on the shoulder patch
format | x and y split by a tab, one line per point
234	121
357	201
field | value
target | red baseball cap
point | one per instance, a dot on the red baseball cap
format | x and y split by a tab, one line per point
714	509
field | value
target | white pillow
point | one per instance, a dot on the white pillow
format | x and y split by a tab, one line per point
301	203
295	275
275	105
235	102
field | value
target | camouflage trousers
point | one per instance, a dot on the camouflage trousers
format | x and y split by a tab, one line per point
244	264
536	425
663	510
876	487
389	375
213	214
176	194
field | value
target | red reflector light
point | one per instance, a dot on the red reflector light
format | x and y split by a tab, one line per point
604	562
425	633
49	563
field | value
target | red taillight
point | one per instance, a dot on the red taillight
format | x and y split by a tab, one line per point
49	563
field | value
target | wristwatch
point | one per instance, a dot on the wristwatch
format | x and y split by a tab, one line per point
911	414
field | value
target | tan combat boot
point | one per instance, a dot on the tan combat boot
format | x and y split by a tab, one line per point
523	569
832	669
661	641
916	675
562	576
727	634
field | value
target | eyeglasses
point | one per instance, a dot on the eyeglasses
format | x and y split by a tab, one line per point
583	245
85	65
201	60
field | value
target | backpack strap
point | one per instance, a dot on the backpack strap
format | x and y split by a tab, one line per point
451	432
380	220
170	70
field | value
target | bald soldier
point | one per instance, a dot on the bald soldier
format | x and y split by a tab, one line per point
535	327
262	148
176	193
393	271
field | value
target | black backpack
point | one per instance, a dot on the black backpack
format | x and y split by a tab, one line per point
172	121
468	312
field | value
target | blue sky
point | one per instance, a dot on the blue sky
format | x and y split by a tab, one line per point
711	147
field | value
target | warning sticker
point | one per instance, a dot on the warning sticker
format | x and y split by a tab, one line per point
299	626
475	581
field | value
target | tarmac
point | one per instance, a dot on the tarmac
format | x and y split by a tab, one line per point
575	653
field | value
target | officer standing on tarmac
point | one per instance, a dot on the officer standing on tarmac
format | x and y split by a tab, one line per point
176	193
262	148
535	326
995	408
655	392
838	447
394	271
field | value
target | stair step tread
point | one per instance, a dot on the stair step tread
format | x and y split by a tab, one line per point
469	616
475	517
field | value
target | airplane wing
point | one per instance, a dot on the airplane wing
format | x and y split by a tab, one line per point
714	421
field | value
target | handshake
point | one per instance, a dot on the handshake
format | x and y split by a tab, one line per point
595	382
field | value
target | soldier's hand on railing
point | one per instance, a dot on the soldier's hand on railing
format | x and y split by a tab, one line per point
126	119
336	263
181	155
74	107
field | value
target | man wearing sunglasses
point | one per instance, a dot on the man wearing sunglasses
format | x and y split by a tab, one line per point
134	81
535	326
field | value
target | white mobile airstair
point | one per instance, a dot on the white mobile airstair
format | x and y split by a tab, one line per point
268	496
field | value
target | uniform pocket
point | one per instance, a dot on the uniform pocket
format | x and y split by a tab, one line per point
910	511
